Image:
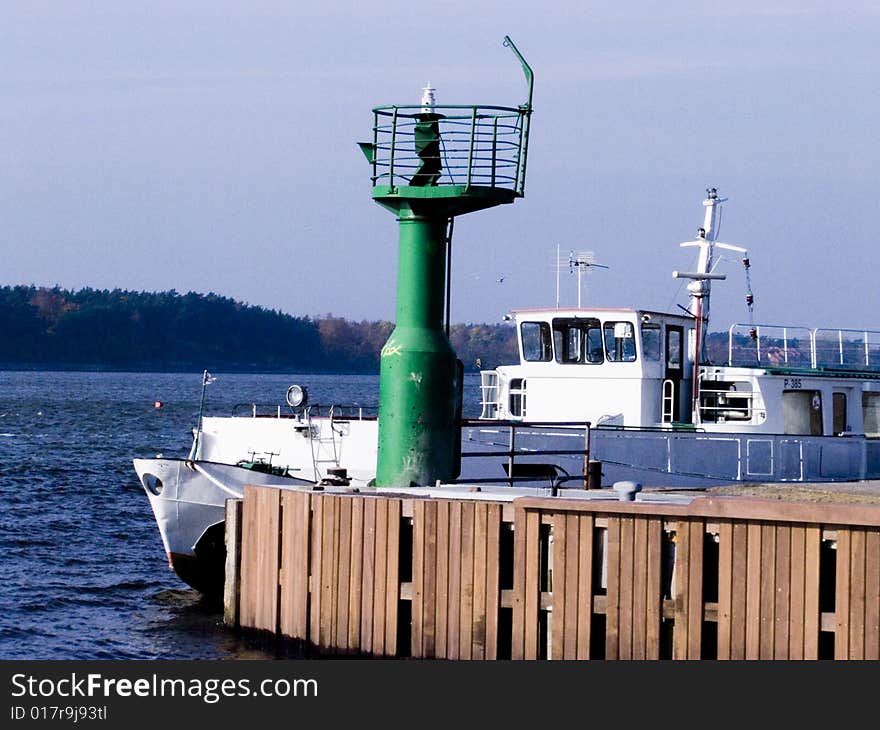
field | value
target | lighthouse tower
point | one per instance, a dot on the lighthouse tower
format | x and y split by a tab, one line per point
430	164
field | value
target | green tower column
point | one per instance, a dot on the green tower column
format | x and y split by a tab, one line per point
430	164
418	382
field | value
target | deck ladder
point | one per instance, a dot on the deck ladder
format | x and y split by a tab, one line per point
668	407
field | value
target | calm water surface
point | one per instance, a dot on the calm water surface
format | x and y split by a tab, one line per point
83	574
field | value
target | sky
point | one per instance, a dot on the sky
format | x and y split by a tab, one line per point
211	147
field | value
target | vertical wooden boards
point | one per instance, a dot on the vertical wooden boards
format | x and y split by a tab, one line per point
325	569
812	621
392	575
526	583
687	632
259	558
842	596
872	595
368	575
441	595
232	580
455	579
612	598
420	578
584	584
519	583
493	571
572	595
295	533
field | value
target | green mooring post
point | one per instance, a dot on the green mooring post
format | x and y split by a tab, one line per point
430	164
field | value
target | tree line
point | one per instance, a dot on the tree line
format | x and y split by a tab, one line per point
117	329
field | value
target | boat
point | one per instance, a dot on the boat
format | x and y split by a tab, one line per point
599	396
778	403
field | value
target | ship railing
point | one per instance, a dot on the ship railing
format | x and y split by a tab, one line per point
335	411
513	454
459	144
847	349
763	345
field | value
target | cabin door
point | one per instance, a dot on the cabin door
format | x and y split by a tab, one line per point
673	373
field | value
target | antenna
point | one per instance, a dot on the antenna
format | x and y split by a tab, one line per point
582	262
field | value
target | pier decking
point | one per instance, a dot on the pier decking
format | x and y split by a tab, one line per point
470	576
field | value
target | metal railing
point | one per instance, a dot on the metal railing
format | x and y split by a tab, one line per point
350	411
472	145
517	472
802	347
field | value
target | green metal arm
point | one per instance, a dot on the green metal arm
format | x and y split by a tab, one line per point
527	70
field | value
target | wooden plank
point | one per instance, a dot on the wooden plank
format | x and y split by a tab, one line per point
625	589
343	575
247	601
798	574
738	583
380	566
420	608
753	592
725	588
453	615
560	569
857	595
442	583
262	557
429	566
639	588
317	551
466	604
368	578
478	636
653	588
872	595
682	589
532	564
295	512
695	589
841	601
718	508
392	575
768	590
232	580
517	649
572	568
327	565
783	592
612	598
585	584
356	574
493	592
812	619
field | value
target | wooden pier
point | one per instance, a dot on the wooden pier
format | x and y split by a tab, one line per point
465	577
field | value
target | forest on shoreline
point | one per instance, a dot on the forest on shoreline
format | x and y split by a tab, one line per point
92	329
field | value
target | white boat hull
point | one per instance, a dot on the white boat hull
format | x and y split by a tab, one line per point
188	500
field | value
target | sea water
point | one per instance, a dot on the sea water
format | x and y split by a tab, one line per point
83	574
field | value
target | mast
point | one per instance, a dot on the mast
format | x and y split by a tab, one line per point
700	286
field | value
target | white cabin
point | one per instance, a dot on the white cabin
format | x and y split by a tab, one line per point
615	367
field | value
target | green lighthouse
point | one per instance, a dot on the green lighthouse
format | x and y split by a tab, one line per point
430	164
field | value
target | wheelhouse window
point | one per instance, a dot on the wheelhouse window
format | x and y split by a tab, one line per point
620	342
673	348
537	343
651	342
871	414
577	341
